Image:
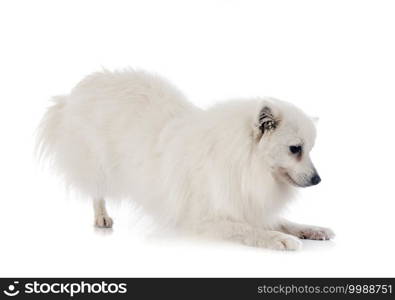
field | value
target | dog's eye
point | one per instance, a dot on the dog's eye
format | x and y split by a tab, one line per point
295	149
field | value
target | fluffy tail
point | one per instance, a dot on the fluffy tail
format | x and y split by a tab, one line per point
47	131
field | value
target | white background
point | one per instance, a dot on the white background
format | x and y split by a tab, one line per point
335	59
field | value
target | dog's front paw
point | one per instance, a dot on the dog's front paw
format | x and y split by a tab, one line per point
103	221
316	233
274	240
282	241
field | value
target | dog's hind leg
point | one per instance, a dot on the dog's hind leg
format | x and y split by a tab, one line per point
102	219
306	231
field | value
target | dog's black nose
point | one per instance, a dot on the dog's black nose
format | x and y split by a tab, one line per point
315	179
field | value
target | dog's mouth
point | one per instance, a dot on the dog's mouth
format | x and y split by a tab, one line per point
289	179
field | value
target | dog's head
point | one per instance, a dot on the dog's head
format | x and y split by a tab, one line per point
285	137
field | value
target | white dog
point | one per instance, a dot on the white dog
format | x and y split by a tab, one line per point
228	170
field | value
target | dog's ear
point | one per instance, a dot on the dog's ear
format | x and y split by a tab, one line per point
266	120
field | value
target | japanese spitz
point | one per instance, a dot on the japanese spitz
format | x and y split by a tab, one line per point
227	171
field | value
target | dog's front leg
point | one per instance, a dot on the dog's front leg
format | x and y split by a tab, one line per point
305	231
250	236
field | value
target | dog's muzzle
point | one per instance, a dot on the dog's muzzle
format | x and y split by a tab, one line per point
315	179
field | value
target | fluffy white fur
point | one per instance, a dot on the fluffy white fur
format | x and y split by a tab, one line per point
227	170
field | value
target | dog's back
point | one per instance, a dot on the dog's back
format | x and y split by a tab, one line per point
106	126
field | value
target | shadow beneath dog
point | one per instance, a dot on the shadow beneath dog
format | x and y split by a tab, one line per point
312	245
103	231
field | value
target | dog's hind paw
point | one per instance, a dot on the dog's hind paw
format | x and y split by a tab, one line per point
103	221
